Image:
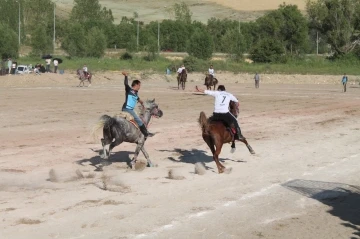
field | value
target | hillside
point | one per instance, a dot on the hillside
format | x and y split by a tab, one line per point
245	10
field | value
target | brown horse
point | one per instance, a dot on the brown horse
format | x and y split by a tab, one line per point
182	79
210	81
215	134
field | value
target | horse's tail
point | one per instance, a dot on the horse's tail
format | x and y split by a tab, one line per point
203	122
105	121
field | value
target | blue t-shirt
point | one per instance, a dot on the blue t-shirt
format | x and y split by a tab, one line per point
344	79
131	96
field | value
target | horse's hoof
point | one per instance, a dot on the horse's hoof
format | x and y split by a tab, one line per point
149	165
252	152
232	150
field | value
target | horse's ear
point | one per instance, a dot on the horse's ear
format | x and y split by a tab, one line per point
153	100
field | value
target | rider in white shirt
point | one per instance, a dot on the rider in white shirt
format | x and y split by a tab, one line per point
221	109
212	71
85	70
180	70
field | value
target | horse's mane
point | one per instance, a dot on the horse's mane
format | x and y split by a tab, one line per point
147	104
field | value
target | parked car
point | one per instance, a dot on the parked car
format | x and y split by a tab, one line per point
22	69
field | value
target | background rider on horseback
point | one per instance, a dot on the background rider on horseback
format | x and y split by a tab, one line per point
221	111
85	70
179	71
131	98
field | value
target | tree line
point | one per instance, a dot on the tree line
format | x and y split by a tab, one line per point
329	26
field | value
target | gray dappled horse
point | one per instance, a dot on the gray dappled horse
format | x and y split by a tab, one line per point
118	129
83	78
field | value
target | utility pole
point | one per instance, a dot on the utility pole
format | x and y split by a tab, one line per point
54	27
137	38
158	36
19	23
317	43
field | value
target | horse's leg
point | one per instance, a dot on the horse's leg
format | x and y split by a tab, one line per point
247	145
218	144
89	79
149	163
137	151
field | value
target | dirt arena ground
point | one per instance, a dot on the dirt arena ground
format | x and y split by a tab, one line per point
303	181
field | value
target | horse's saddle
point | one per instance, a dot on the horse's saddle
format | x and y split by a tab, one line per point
128	117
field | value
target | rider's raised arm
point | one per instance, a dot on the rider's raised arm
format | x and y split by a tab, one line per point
126	81
211	92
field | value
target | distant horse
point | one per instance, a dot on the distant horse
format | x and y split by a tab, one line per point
215	133
118	129
182	79
210	80
82	77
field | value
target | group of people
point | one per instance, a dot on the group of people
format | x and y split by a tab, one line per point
48	64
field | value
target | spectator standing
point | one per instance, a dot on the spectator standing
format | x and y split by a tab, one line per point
9	64
48	62
56	63
257	80
344	81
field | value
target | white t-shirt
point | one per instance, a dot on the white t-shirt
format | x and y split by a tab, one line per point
222	100
56	63
211	71
85	69
48	61
180	69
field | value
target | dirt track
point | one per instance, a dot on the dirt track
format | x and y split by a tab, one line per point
306	138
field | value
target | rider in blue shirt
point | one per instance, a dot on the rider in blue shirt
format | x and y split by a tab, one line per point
131	98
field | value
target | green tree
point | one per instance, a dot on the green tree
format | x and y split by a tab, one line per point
40	42
200	45
90	10
338	20
287	25
235	44
9	45
267	50
96	43
74	43
182	12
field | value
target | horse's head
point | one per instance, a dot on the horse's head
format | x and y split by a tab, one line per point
234	108
153	108
184	72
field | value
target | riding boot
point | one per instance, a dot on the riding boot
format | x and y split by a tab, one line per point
145	132
239	135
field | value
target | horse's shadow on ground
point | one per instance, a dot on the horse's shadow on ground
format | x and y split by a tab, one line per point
99	163
194	156
342	198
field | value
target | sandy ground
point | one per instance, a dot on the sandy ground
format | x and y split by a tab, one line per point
303	181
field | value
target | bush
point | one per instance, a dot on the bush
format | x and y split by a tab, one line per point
194	64
267	50
9	44
126	56
200	45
